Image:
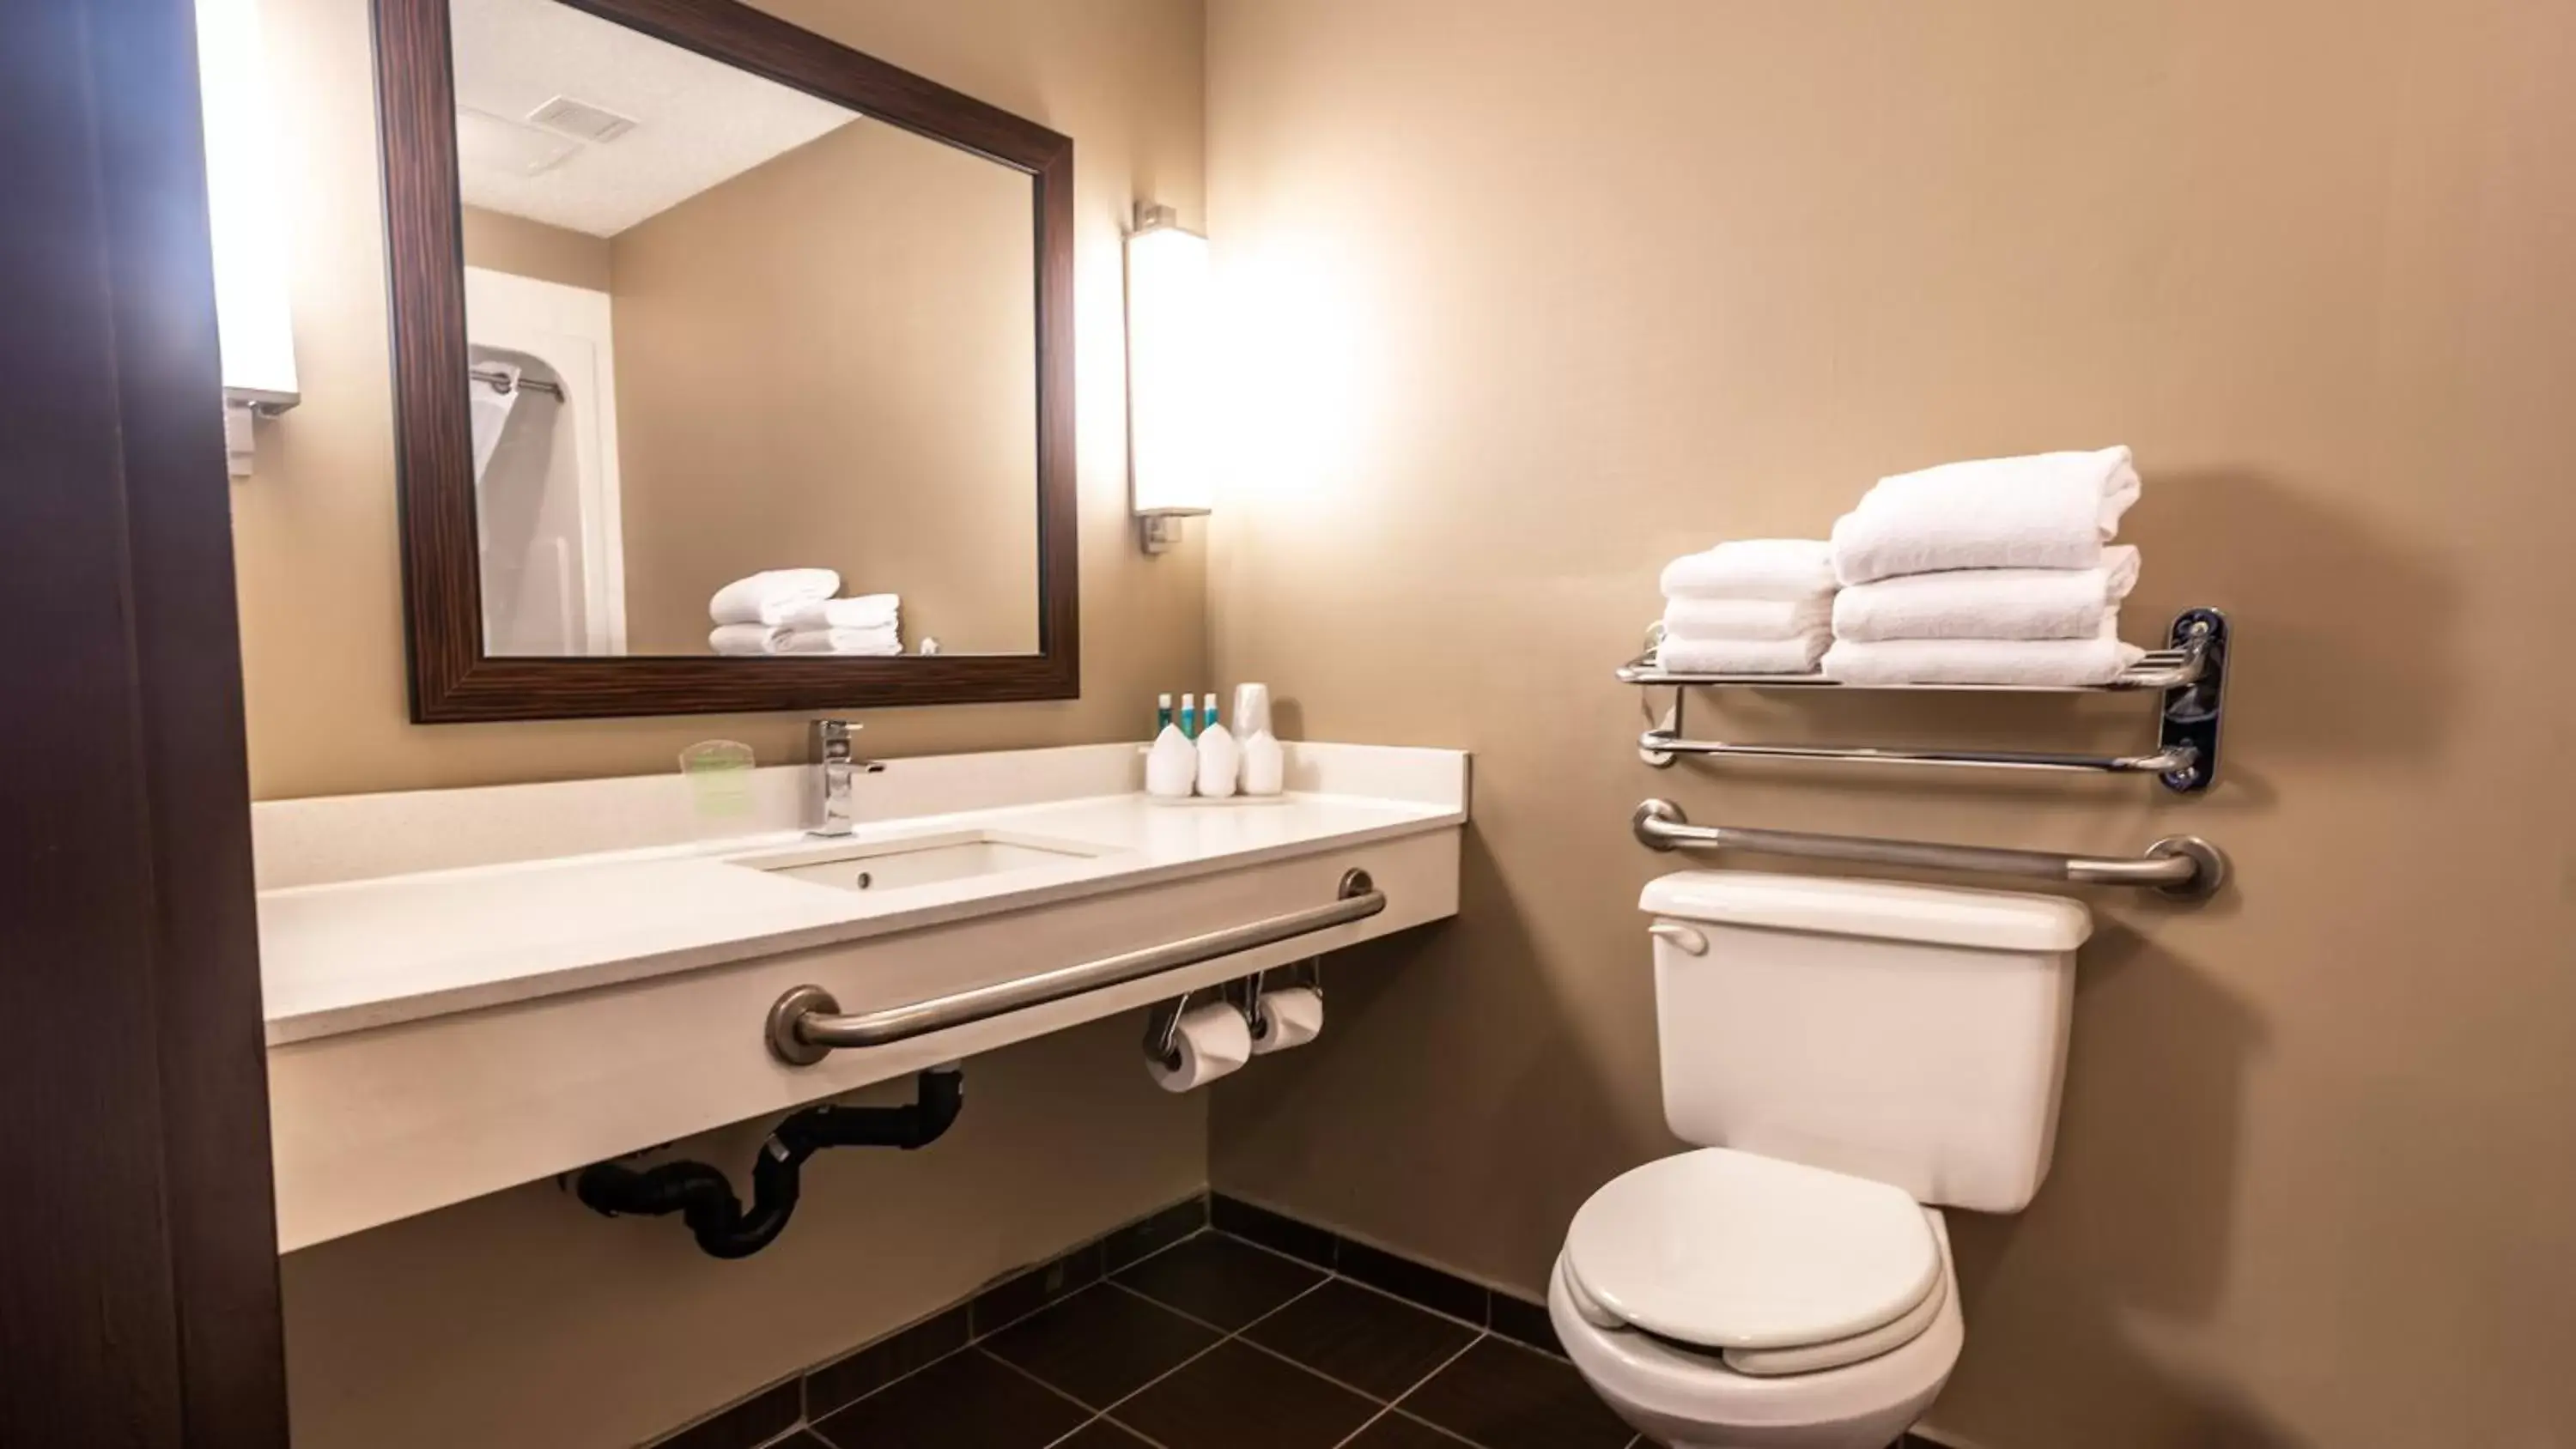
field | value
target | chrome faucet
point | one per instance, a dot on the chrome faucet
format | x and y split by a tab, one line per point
834	812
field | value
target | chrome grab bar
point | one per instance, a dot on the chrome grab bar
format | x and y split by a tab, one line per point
805	1024
2185	867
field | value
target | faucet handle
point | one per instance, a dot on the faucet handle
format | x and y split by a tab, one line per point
831	810
832	739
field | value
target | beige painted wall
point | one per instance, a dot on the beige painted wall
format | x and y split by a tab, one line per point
1538	295
520	1320
315	529
831	360
524	248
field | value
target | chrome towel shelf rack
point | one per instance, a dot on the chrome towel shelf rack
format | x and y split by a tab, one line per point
2190	673
2184	867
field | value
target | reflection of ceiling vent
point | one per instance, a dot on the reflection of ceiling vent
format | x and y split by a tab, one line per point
581	118
485	143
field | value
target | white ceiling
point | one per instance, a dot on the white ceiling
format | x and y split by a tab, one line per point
697	121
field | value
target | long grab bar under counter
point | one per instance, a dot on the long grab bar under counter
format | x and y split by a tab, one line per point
805	1024
2184	867
2191	674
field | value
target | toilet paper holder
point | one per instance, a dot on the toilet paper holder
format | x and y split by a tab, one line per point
1243	994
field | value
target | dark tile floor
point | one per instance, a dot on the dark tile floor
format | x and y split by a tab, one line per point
1213	1343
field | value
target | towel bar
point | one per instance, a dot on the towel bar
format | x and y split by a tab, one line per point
2191	673
2184	867
2168	668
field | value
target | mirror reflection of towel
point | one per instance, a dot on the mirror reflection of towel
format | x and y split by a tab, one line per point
771	596
845	641
868	611
747	639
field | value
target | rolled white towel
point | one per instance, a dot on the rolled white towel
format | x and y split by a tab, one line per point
2032	662
1783	569
1989	603
1742	656
844	641
1688	618
747	639
2045	511
770	596
867	611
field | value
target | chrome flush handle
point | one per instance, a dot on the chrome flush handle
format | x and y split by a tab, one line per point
1691	942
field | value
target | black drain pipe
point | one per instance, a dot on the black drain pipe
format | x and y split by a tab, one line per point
705	1200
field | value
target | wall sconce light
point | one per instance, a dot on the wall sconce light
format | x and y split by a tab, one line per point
254	312
1170	418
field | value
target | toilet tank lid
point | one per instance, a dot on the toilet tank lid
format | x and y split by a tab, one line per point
1941	915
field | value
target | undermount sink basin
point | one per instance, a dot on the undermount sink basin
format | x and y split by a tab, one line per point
885	865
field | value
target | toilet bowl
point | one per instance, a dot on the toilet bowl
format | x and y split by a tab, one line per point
1850	1056
1859	1389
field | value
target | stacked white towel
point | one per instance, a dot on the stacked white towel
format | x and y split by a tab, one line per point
1753	606
749	639
793	611
882	640
1990	572
770	596
867	611
763	639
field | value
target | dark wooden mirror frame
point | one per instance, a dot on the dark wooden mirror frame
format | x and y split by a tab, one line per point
452	679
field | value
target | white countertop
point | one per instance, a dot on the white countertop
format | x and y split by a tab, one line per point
349	955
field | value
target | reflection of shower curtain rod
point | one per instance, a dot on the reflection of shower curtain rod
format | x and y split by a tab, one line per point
502	383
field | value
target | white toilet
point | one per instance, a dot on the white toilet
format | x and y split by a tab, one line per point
1852	1053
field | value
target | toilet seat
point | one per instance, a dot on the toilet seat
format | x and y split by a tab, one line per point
1779	1267
1692	1397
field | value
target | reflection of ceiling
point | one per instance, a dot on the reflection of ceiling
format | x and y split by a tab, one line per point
695	121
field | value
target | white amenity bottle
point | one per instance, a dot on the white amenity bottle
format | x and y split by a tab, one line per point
1219	756
1265	767
1172	764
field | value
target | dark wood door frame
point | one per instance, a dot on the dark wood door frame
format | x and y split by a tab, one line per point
138	1261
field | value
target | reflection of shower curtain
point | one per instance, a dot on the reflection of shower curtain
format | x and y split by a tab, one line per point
489	409
527	509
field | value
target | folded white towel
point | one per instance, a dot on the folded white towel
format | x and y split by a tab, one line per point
770	596
867	611
844	641
1689	618
1989	603
2035	662
1742	656
1787	569
2046	511
747	639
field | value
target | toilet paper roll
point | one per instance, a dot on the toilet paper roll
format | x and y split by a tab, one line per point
1211	1041
1292	1016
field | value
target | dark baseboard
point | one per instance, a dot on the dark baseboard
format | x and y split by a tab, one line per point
1437	1289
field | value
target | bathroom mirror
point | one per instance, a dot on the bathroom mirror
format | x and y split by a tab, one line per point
733	368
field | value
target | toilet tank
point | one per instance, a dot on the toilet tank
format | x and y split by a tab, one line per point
1911	1034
